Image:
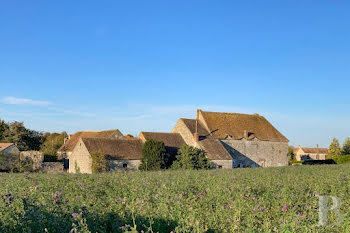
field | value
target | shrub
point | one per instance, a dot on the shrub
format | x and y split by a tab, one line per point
8	162
191	158
25	165
342	159
153	155
99	162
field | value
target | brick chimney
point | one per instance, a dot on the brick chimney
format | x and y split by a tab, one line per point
196	137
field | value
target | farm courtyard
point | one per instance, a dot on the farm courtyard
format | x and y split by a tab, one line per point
239	200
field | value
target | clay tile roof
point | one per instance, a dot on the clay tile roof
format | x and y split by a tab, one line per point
295	150
4	146
315	150
169	139
214	149
191	125
233	125
128	149
70	144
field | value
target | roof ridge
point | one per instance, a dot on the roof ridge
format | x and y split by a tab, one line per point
94	131
234	113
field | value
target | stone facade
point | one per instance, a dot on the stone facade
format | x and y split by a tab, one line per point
250	140
224	164
52	167
186	134
124	164
10	156
80	159
36	156
257	153
310	153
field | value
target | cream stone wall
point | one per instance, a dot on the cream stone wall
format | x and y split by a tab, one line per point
224	164
10	157
300	154
257	153
119	164
186	134
81	159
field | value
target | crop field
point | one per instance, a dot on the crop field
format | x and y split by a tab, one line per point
238	200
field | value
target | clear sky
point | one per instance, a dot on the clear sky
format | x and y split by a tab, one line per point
141	65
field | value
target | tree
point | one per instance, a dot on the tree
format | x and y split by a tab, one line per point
4	130
52	143
291	154
346	147
153	155
191	158
334	148
24	138
99	162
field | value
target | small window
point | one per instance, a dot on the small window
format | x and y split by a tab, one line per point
125	165
220	166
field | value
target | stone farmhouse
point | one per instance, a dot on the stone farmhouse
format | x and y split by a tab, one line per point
235	140
230	140
67	148
121	153
10	153
303	153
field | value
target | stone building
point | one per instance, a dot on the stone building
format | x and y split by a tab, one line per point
303	153
66	149
235	140
121	154
9	155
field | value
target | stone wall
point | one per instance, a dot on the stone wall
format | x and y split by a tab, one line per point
186	134
36	156
52	167
257	153
9	158
224	164
124	164
80	159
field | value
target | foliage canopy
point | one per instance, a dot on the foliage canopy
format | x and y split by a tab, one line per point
153	155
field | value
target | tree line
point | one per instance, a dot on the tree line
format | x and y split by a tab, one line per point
27	139
335	149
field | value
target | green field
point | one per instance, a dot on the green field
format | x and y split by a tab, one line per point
239	200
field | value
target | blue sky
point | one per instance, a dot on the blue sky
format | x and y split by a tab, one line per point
141	65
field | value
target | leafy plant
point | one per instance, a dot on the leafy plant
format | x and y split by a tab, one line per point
153	155
99	162
191	158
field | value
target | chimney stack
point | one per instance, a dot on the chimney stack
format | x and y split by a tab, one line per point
245	135
196	137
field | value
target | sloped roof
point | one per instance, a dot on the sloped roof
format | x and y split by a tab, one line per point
233	125
128	149
4	146
169	139
214	149
191	125
295	149
315	150
70	144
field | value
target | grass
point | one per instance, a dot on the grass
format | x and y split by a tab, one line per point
238	200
